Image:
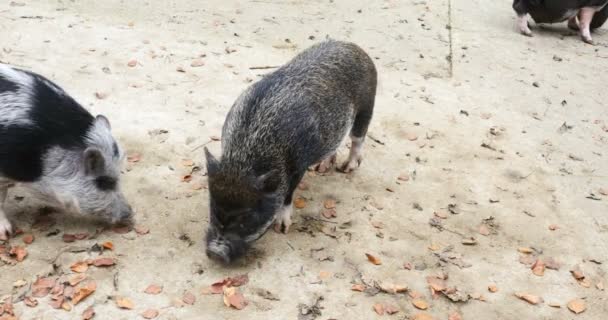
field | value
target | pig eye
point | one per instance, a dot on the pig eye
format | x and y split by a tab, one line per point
105	183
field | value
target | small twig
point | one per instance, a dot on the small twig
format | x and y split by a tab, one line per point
289	244
376	140
322	220
202	145
263	67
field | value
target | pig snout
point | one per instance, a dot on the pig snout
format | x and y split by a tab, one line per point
122	212
225	248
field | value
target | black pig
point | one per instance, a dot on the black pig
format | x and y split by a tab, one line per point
293	118
591	14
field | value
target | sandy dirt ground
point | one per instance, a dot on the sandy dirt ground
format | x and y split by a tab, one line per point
496	137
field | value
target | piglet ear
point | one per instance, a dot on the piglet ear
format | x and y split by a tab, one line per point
268	182
94	162
103	120
213	165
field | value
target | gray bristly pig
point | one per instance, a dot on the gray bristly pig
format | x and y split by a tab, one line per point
591	14
293	118
51	145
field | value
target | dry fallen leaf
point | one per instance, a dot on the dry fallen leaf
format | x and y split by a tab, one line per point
403	177
134	157
329	213
42	286
66	306
577	273
150	314
28	238
358	287
153	289
420	304
329	204
538	268
233	298
18	252
187	178
141	230
531	299
411	136
124	303
552	264
373	259
104	262
215	138
454	315
525	250
108	245
390	309
188	298
554	305
493	288
422	316
484	230
88	313
76	278
577	306
79	266
300	203
132	63
101	95
197	63
83	291
30	302
379	309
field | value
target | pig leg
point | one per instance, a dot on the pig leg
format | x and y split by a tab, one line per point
5	226
357	136
584	17
522	23
326	164
282	219
573	24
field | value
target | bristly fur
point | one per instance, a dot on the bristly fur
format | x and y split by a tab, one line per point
50	143
292	118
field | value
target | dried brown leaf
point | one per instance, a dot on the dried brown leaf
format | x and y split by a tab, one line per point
577	306
150	314
79	266
154	289
531	299
88	313
83	290
379	308
538	268
300	203
28	238
124	303
373	259
188	298
420	304
104	262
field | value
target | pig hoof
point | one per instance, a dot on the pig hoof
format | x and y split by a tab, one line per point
327	163
5	229
588	41
282	221
350	165
527	33
282	226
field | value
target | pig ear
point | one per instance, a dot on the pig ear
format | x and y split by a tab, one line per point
268	182
94	162
213	165
103	120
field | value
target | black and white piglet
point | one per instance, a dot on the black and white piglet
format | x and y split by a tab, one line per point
293	118
591	14
51	145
